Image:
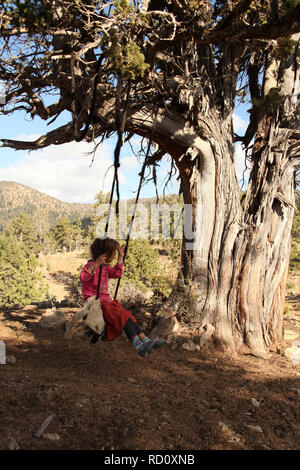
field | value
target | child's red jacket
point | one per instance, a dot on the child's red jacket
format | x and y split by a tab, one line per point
115	316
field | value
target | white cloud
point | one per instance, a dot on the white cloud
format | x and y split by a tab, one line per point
67	173
136	140
64	171
239	124
129	163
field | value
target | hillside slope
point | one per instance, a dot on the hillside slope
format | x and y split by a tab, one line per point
16	198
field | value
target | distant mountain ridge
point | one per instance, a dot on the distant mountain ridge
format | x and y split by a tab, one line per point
16	198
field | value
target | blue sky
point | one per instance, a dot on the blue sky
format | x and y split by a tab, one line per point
67	173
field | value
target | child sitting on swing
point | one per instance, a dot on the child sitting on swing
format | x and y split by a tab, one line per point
117	318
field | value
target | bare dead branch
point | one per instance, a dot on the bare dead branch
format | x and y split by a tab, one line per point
58	136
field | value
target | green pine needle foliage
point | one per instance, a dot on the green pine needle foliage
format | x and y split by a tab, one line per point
21	281
142	267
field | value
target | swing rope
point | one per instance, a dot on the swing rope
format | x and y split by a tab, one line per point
120	124
141	174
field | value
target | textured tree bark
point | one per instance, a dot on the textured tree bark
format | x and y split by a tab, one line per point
213	218
264	251
268	215
217	221
241	259
237	257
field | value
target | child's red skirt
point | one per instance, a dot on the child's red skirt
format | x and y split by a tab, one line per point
115	317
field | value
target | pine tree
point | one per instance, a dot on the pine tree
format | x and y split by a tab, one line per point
77	233
21	282
64	235
41	225
22	228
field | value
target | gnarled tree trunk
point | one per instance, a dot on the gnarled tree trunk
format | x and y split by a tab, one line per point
238	254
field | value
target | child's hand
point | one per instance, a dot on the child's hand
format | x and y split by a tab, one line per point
101	260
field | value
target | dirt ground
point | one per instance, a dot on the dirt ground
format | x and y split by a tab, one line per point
104	396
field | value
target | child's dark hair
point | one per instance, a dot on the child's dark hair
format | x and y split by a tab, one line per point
101	246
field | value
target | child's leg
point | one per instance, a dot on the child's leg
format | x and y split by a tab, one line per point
132	330
142	343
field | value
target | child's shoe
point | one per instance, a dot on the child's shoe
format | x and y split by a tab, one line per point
145	348
149	344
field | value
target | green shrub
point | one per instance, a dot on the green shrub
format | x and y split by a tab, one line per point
21	281
142	266
295	257
296	221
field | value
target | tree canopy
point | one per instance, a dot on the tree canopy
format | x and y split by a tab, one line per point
161	54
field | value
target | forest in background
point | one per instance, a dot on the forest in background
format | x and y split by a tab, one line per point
34	228
40	225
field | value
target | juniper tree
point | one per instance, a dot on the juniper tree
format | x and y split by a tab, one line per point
172	70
